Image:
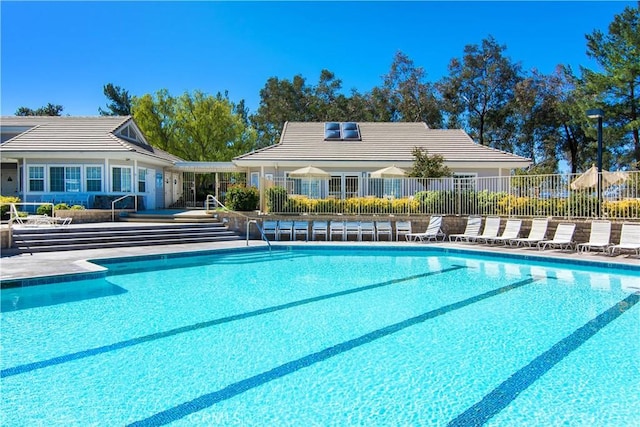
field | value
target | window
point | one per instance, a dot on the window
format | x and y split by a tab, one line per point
121	179
344	186
36	178
129	133
142	180
464	182
64	179
94	178
255	179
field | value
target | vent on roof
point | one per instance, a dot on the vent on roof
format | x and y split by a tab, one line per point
347	131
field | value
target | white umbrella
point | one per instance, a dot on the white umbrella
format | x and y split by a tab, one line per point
389	172
309	172
589	179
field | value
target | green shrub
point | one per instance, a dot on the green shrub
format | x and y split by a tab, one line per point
77	208
44	210
61	207
4	208
241	198
276	199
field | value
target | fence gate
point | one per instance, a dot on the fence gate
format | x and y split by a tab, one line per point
189	190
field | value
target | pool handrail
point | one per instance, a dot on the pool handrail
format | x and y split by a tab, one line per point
212	198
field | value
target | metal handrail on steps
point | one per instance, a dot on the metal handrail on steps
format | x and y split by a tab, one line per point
113	205
14	214
212	198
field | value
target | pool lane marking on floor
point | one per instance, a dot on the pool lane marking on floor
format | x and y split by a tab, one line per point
500	397
21	369
207	400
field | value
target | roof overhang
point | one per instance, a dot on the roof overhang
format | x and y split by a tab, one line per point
206	167
15	156
366	164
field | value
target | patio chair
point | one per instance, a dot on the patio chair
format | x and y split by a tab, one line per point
301	228
352	228
367	229
336	228
270	227
285	228
599	237
490	231
402	228
433	231
536	234
629	238
471	230
319	228
563	237
383	228
511	231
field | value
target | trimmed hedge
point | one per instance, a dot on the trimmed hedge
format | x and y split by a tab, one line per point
455	203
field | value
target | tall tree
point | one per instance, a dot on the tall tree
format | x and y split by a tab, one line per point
617	86
410	98
48	110
120	101
478	93
194	126
281	100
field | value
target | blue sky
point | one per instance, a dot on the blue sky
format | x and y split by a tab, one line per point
64	52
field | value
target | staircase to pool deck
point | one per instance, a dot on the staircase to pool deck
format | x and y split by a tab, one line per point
134	230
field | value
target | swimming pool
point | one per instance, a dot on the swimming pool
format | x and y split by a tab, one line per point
325	336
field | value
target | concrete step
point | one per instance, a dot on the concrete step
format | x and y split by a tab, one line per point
120	235
182	217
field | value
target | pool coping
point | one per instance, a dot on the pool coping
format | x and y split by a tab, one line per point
54	267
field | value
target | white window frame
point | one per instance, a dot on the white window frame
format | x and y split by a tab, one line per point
121	168
142	178
65	180
86	178
44	178
465	181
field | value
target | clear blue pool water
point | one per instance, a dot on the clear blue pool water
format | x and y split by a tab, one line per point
325	336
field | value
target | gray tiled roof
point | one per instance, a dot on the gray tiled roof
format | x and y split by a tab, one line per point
75	134
388	142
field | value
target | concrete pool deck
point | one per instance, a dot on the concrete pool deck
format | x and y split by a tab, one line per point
24	265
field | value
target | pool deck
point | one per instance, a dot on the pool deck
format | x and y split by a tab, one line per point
25	265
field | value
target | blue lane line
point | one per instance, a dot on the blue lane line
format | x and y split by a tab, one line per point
500	397
207	400
21	369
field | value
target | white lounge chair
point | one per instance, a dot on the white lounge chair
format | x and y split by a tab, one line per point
536	234
319	228
367	229
471	230
301	228
285	228
599	238
402	228
336	228
511	231
629	238
352	228
383	228
433	231
490	231
270	227
563	237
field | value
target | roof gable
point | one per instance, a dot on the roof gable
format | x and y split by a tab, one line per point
78	134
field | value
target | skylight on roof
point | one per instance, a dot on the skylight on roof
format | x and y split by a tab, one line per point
341	131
